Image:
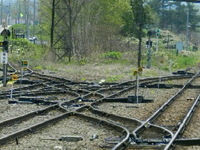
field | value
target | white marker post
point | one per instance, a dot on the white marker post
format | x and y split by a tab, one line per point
11	91
137	73
137	83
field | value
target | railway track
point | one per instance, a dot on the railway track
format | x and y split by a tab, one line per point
109	110
163	116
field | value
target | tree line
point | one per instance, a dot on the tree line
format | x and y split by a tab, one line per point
83	27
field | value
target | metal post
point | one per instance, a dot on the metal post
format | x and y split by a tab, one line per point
21	78
70	30
1	12
140	34
6	34
187	30
168	41
11	91
27	17
149	54
4	75
137	87
5	53
19	13
52	24
34	7
157	44
9	14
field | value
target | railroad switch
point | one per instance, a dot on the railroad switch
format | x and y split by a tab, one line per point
129	99
182	72
66	138
140	99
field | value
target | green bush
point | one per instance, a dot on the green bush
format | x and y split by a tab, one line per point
112	55
24	49
184	62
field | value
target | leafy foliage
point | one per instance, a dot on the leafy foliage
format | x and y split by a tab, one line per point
24	49
172	15
187	61
112	55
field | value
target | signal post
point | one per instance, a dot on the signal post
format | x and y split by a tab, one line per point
4	56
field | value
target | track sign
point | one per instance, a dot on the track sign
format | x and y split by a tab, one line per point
5	32
24	63
179	46
135	73
4	57
14	77
140	69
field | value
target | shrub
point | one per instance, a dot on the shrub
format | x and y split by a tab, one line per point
112	55
184	62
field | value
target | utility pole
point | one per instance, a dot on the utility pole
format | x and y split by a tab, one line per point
1	12
149	44
27	17
9	14
70	30
19	13
187	30
34	18
140	34
52	25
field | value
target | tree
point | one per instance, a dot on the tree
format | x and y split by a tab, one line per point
64	15
173	14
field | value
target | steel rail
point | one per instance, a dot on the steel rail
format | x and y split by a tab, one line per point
112	117
166	104
187	142
35	127
101	113
157	113
112	95
155	79
184	123
119	146
29	115
122	144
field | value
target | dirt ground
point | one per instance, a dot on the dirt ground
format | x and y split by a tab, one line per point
102	72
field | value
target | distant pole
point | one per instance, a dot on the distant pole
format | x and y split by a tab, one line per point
157	39
9	14
187	30
140	35
140	46
1	12
149	54
168	41
34	17
19	13
27	17
70	31
52	24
